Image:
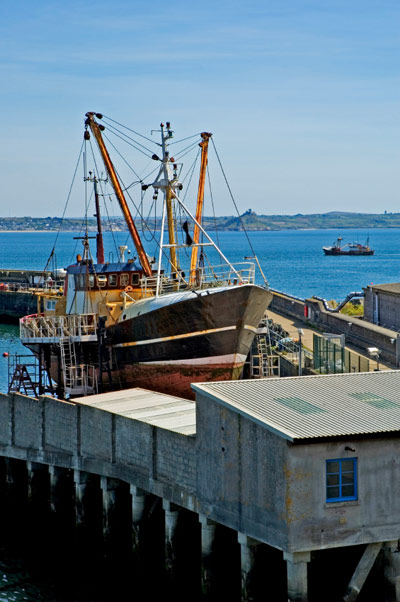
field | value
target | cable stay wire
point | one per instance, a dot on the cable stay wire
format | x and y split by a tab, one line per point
130	130
185	151
123	159
100	181
128	139
128	143
65	206
184	139
213	206
233	199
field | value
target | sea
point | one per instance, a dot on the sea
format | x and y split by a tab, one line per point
292	261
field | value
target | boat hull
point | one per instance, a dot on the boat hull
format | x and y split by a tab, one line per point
205	337
340	252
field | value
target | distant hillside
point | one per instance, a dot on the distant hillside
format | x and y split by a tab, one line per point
250	220
334	219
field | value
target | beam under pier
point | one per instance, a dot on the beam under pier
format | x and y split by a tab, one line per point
362	571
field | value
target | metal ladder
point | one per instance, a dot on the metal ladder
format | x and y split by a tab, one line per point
21	382
78	379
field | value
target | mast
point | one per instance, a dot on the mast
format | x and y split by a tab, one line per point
96	131
99	236
97	215
200	203
168	198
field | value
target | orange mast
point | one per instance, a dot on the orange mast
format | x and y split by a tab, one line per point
200	201
96	130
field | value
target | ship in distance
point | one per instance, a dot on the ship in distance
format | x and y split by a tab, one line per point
159	321
354	248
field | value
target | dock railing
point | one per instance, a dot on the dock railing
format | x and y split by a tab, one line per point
39	328
205	277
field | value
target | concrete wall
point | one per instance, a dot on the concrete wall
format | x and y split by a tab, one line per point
287	305
358	332
234	472
80	437
374	517
15	304
240	482
361	333
386	304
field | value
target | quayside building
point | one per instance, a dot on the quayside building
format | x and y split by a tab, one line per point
294	483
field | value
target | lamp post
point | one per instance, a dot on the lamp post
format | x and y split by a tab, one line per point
374	353
300	331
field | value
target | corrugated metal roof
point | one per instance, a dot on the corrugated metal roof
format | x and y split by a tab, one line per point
165	411
316	406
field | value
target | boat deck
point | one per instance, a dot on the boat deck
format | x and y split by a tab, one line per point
164	411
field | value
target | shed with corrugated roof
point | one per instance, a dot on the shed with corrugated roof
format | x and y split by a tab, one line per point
303	463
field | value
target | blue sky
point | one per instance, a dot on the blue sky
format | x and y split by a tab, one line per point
302	96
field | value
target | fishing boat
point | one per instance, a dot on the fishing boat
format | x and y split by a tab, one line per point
135	322
354	248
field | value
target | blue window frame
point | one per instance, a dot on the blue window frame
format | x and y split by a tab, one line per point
341	480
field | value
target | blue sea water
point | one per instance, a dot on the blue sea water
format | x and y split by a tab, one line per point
292	260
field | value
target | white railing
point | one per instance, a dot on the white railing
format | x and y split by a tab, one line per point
80	379
205	277
76	327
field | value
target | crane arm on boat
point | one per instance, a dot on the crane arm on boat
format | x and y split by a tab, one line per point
96	131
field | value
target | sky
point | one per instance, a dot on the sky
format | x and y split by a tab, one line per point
302	96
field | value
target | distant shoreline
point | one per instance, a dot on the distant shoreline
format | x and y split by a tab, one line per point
221	229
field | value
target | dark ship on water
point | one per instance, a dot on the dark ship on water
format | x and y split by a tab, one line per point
145	321
354	248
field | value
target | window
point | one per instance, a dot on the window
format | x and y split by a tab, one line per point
135	279
91	280
112	280
124	280
101	280
50	305
341	480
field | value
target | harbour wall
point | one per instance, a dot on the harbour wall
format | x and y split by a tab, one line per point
358	332
15	304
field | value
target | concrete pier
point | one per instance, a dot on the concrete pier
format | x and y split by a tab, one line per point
171	523
297	579
247	565
392	570
207	560
207	501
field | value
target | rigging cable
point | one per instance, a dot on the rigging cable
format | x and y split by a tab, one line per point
130	130
65	206
132	142
184	139
213	207
233	200
101	188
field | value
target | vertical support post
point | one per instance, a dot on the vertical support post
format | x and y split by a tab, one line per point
54	479
247	562
138	505
108	488
171	514
81	482
297	564
392	570
207	539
